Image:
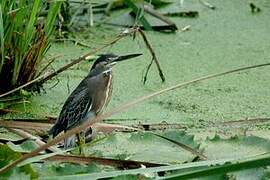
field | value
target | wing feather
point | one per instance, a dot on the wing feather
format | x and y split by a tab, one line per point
74	111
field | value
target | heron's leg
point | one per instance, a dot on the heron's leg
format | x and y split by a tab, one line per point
81	142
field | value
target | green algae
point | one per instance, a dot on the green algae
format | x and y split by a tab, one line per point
218	40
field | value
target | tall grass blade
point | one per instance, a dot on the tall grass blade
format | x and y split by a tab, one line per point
52	14
28	37
139	14
2	50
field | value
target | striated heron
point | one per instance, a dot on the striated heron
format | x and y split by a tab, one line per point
89	98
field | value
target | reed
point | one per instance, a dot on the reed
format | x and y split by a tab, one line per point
24	40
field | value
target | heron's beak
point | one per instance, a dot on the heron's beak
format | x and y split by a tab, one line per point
125	57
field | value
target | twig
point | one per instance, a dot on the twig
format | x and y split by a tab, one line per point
74	41
104	161
184	146
190	14
9	111
47	119
160	16
23	86
154	27
107	128
207	4
51	60
119	109
148	45
25	125
147	70
104	127
30	136
186	28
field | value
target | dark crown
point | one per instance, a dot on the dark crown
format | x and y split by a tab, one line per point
102	58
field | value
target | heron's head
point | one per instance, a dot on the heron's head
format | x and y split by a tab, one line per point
106	61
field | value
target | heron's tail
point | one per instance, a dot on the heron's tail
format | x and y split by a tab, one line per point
55	130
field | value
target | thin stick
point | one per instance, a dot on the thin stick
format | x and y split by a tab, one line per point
148	45
25	125
121	108
74	41
37	140
207	4
184	146
51	60
147	70
160	16
105	161
23	86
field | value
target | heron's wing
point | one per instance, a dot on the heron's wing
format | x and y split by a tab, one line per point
78	108
74	110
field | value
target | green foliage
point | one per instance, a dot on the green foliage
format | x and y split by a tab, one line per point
143	147
23	40
138	10
235	147
239	157
6	156
26	146
62	169
232	158
9	136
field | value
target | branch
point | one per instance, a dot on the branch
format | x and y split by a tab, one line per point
148	45
23	86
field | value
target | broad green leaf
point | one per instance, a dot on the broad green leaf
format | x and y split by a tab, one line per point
7	155
61	169
188	170
222	168
26	146
182	137
142	147
235	147
232	148
7	135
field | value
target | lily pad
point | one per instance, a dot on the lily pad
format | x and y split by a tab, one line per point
26	146
142	147
235	147
7	155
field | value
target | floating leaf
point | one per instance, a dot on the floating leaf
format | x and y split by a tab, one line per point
142	147
235	147
7	155
9	136
26	146
61	169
